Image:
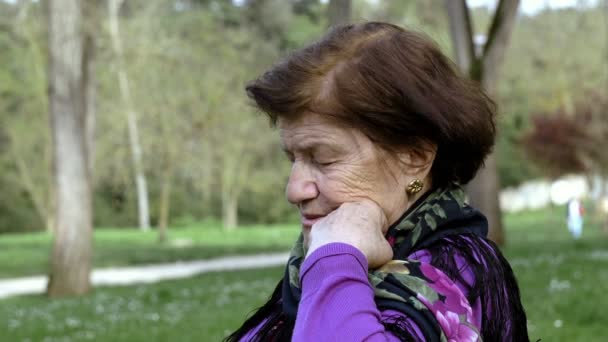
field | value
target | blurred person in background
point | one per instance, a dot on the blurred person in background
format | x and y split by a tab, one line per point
576	212
382	133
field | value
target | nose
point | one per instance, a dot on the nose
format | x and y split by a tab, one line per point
301	186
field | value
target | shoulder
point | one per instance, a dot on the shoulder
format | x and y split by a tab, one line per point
457	290
478	268
434	295
464	258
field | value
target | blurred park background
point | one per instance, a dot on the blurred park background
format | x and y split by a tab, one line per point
126	139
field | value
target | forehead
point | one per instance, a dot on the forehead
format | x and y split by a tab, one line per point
310	129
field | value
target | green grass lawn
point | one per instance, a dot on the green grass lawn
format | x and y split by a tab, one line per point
563	282
562	285
203	308
27	254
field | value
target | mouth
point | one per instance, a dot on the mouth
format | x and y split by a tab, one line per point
309	219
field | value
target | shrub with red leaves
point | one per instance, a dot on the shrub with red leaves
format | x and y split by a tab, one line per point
571	142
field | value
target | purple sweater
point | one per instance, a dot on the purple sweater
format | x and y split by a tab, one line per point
338	301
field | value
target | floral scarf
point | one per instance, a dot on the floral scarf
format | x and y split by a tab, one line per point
418	290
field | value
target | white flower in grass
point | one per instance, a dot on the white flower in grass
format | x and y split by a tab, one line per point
152	317
99	309
140	291
558	285
13	324
72	322
133	305
558	323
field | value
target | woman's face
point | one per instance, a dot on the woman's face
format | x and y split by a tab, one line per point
332	164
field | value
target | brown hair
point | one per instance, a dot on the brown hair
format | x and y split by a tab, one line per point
395	86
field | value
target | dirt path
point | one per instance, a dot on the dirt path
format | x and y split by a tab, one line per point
148	273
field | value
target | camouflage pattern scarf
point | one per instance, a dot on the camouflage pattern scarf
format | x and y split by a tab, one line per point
406	285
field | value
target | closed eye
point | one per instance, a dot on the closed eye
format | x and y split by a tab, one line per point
324	163
289	156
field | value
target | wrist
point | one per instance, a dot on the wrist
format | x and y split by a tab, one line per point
332	259
313	247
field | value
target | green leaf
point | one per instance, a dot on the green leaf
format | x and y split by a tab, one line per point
430	221
438	210
382	293
376	278
417	285
425	207
416	234
406	225
417	304
459	196
294	276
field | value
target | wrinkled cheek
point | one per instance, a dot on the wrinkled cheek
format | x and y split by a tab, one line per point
349	190
340	189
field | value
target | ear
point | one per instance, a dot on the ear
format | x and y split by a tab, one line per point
418	162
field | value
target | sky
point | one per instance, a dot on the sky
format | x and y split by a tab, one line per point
531	7
528	7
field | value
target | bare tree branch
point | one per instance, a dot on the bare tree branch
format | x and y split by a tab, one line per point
461	33
497	41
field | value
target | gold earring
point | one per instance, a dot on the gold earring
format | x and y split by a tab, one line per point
414	187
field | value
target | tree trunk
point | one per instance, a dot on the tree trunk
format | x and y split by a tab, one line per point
37	197
484	190
206	173
234	165
339	12
483	193
90	93
125	91
71	256
229	210
165	203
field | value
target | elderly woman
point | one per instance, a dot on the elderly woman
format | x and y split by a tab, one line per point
382	133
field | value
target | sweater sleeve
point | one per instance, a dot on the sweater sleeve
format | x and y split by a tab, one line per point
337	300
